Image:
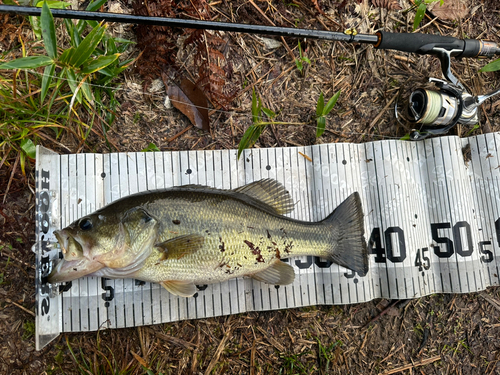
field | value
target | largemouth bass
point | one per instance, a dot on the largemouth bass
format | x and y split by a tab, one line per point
194	235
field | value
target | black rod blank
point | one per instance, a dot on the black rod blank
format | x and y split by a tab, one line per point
194	24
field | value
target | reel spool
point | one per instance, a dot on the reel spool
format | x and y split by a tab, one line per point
436	110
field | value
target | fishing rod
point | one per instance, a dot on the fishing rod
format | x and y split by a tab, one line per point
436	111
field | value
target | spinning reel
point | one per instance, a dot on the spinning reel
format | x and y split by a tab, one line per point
438	110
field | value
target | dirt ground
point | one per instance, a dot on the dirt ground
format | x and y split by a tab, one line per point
437	334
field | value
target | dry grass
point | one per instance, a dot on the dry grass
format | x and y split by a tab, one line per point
438	334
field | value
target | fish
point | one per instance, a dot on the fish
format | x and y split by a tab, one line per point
192	235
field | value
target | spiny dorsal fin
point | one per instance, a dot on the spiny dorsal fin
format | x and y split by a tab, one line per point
181	246
278	274
270	192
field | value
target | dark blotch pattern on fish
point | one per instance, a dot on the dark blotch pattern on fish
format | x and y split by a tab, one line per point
255	251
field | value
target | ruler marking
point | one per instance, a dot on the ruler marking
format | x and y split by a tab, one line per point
486	213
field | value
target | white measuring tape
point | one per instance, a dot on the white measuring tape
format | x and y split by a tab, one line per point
432	221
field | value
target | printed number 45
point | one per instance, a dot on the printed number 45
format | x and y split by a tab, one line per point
422	261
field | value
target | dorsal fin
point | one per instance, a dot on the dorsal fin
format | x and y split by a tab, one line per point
271	193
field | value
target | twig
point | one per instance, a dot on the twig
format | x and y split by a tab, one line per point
17	260
491	300
179	134
5	157
423	362
402	58
21	307
139	359
271	340
487	125
218	352
173	340
252	359
375	120
12	175
290	52
382	313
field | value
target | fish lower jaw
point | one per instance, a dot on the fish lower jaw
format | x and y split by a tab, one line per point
66	270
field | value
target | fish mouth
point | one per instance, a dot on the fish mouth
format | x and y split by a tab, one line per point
75	264
63	240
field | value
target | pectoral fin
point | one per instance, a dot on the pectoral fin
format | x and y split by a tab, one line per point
179	247
179	288
278	274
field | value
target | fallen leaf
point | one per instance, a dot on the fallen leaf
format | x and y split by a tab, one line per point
450	10
190	100
387	4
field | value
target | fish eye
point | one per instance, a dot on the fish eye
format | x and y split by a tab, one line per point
85	224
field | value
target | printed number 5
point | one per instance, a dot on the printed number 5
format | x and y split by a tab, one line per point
487	256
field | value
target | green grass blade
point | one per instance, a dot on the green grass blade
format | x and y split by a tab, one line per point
111	46
419	16
331	103
255	108
46	80
321	123
491	67
269	113
250	137
151	147
95	5
299	65
99	63
48	31
73	84
66	56
29	62
87	46
87	92
35	26
54	4
73	33
320	105
29	148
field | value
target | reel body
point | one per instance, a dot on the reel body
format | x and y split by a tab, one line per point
437	110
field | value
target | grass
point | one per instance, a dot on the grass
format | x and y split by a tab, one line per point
28	329
303	59
260	114
294	364
102	360
421	6
327	354
59	88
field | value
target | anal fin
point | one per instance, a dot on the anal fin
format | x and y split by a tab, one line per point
179	288
279	273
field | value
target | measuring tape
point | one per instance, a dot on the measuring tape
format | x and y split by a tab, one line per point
432	223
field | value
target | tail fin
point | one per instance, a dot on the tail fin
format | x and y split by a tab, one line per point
349	245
